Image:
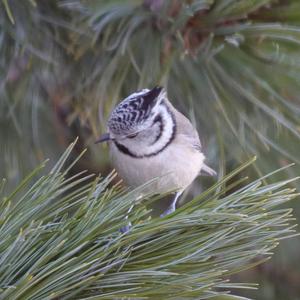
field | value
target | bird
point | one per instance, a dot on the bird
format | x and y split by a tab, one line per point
149	138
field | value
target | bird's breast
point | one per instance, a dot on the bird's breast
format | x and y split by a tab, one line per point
172	169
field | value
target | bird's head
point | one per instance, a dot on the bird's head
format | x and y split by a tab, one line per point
139	122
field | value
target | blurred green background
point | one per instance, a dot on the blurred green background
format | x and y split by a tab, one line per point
233	67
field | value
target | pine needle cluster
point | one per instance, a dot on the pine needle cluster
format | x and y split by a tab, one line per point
60	238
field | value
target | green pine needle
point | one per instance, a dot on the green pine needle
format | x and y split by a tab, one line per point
60	238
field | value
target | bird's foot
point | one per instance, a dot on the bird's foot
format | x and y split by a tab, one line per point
168	211
126	228
172	207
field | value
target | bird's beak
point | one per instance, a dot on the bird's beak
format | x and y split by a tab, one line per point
103	138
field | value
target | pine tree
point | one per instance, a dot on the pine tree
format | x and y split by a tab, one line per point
231	66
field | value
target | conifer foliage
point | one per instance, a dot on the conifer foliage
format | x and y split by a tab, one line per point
231	66
60	238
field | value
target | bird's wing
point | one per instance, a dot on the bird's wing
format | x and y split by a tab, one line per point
185	127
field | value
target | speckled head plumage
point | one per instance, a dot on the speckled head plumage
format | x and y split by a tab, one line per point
133	113
142	125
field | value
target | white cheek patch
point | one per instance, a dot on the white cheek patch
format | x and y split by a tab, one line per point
168	129
147	145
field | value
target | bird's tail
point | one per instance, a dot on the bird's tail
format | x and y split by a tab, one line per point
206	170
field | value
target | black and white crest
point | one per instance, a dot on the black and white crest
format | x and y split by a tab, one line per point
133	110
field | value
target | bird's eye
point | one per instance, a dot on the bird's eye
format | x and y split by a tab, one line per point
131	136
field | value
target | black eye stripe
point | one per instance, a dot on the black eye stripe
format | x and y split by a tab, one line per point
158	119
131	136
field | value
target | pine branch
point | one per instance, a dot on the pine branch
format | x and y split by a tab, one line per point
231	66
60	238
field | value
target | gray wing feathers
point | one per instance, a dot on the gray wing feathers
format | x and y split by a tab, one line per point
185	127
